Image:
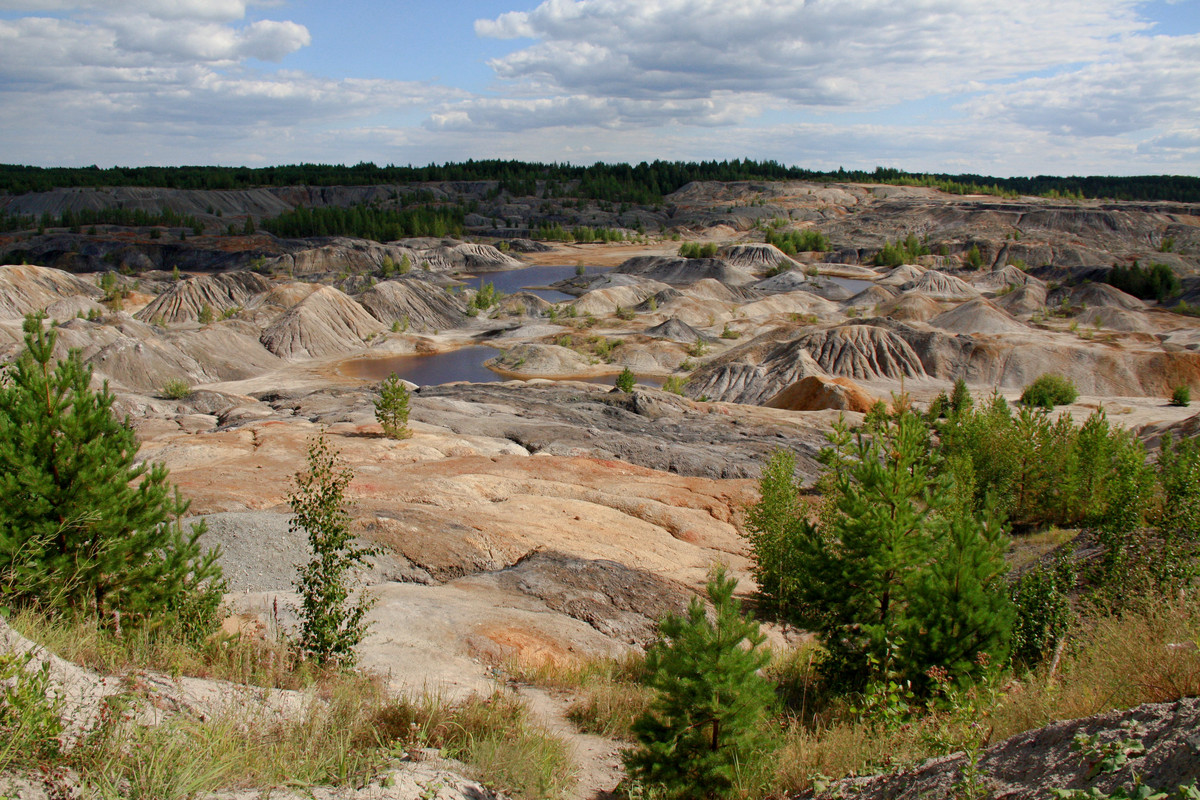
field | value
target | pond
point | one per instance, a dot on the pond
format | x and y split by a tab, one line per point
464	364
527	279
853	285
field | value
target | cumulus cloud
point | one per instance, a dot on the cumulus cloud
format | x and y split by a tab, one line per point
854	54
1151	85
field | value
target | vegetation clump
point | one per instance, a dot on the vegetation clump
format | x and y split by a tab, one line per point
697	250
1159	282
1049	390
906	251
809	240
626	380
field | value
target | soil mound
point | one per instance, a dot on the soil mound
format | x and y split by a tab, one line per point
1094	295
188	299
906	273
25	289
685	271
941	286
541	360
326	322
978	316
420	304
864	352
912	307
1023	300
675	330
816	393
870	297
1008	275
757	257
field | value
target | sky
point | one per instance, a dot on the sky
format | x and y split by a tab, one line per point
992	87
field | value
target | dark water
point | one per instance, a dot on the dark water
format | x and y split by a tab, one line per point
852	284
465	364
520	280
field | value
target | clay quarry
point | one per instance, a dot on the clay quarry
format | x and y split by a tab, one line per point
536	515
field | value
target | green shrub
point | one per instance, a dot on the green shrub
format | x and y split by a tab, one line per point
176	389
1049	390
675	384
626	380
697	250
30	712
1181	395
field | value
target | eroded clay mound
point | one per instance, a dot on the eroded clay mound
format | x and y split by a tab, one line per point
941	286
1023	300
912	307
998	280
326	322
905	273
978	316
757	257
1091	295
676	330
863	352
419	304
188	299
540	360
25	289
815	393
679	271
870	297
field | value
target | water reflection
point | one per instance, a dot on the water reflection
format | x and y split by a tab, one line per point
520	280
464	364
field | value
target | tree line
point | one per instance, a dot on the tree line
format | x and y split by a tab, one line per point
644	183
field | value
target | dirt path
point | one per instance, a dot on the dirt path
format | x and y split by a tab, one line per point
597	759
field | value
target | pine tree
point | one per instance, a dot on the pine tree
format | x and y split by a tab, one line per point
391	408
703	725
331	624
83	529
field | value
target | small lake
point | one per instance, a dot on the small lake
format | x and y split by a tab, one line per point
853	285
521	280
464	364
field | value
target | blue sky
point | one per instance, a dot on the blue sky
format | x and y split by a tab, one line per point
1001	87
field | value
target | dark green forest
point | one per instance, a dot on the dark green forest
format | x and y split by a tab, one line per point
645	183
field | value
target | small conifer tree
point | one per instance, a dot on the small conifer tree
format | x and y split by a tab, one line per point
626	380
705	720
391	408
331	623
84	528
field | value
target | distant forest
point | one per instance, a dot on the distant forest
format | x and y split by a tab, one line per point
643	184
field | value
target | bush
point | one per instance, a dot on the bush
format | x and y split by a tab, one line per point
626	380
84	528
697	250
30	712
391	408
1159	282
175	389
1181	395
1048	391
331	625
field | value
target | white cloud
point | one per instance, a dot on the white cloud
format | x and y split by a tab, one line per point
1151	85
856	54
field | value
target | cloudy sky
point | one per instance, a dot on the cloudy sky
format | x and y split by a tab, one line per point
1000	87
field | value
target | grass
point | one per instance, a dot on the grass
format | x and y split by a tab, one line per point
1115	662
351	729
